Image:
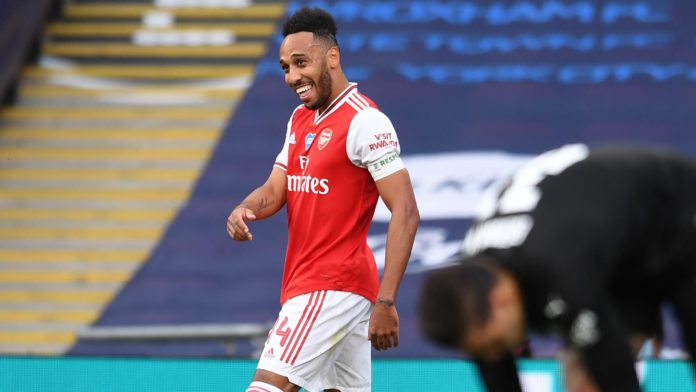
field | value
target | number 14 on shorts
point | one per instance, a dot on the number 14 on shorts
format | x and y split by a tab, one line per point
282	331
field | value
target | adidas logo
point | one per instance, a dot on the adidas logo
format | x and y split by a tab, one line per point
292	138
269	353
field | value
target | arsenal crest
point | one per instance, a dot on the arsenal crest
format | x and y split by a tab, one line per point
324	138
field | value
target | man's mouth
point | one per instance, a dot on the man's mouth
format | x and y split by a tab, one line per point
304	91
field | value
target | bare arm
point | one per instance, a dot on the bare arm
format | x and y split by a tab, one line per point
397	192
263	202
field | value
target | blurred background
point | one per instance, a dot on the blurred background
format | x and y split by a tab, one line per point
129	129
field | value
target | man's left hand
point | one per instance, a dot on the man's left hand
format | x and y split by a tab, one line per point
384	326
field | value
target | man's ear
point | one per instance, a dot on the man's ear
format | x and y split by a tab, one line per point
333	57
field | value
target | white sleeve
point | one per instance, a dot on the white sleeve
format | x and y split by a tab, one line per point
372	143
281	161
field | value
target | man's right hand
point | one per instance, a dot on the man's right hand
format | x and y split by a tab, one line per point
236	224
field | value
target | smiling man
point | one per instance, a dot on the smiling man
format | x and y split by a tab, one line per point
340	155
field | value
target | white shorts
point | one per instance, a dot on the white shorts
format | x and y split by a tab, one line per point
320	342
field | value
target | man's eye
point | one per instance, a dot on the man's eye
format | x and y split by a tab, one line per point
301	62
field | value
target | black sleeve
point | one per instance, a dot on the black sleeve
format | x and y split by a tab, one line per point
589	322
608	359
500	376
598	335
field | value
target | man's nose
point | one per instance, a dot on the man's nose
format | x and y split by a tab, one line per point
293	76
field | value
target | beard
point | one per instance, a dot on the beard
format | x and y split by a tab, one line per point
324	88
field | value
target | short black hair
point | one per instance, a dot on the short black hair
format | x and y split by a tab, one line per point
313	20
456	298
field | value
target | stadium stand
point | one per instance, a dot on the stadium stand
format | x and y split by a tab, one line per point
110	131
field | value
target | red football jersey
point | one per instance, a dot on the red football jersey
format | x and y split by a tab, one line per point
332	161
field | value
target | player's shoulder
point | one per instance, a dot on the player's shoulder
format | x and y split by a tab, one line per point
360	102
365	109
366	99
370	117
300	112
299	109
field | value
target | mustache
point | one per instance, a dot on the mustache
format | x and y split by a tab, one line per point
301	83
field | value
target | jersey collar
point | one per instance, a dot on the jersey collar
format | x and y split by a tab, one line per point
335	104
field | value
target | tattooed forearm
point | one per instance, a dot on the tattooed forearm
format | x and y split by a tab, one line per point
263	203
